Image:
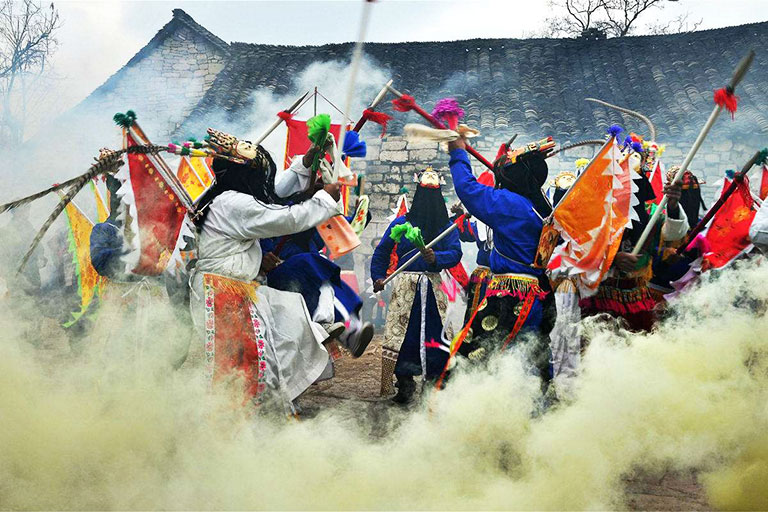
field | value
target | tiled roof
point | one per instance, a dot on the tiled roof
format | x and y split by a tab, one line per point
534	86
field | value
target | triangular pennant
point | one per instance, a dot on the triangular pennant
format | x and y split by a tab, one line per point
102	211
728	233
88	280
592	217
157	209
195	175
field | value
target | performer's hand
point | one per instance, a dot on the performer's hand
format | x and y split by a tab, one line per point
378	285
459	143
626	262
673	193
457	209
429	256
333	190
269	261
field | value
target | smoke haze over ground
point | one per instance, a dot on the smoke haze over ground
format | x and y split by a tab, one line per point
116	428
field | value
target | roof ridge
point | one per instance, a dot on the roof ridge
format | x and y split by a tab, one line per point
182	16
503	39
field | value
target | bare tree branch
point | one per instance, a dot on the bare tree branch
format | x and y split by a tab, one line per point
27	40
680	24
579	18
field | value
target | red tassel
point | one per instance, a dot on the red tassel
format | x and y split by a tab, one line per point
285	116
379	118
727	100
460	222
404	103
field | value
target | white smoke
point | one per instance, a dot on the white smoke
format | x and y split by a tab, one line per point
691	395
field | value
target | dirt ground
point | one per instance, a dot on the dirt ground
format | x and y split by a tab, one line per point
357	382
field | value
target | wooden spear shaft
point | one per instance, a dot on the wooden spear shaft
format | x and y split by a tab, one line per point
739	177
437	124
738	74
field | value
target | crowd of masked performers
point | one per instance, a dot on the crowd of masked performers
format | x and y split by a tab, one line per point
269	306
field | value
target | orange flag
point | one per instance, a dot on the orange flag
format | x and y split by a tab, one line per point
728	233
88	280
195	175
592	217
102	212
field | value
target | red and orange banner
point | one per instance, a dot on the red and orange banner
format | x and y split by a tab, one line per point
728	233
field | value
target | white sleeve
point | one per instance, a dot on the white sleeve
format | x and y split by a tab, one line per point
675	229
758	231
242	216
294	179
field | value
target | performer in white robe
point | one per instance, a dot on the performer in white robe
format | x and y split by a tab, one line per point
272	340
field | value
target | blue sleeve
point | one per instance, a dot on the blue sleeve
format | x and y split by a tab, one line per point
380	258
448	252
489	205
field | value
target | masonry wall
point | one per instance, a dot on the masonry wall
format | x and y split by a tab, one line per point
392	162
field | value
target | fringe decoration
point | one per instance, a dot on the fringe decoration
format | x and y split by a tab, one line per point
394	260
379	118
404	103
285	116
727	99
614	131
516	285
353	146
449	111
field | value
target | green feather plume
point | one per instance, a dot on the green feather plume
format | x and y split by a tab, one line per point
318	128
125	120
411	233
763	158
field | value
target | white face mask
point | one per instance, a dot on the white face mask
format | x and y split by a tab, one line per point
245	150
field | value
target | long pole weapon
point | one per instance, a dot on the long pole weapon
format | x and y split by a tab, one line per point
738	75
739	177
279	120
437	124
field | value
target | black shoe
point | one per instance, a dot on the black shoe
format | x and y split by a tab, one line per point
406	388
360	341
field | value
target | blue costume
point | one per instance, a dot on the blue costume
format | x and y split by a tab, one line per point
413	333
513	300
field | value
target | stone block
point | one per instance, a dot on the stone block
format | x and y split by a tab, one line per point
392	145
394	156
423	155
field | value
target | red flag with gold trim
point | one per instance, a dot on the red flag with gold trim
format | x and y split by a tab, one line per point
764	183
160	204
728	233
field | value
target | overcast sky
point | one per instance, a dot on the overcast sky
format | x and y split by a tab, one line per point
97	38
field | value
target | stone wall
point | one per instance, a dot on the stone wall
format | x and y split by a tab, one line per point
392	161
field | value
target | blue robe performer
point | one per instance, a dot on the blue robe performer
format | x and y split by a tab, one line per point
329	299
514	210
413	336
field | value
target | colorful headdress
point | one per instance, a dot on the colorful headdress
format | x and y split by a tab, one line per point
543	146
240	151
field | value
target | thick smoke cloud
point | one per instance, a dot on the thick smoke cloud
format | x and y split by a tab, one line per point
113	430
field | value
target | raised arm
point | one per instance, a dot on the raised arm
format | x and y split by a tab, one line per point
242	216
480	201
